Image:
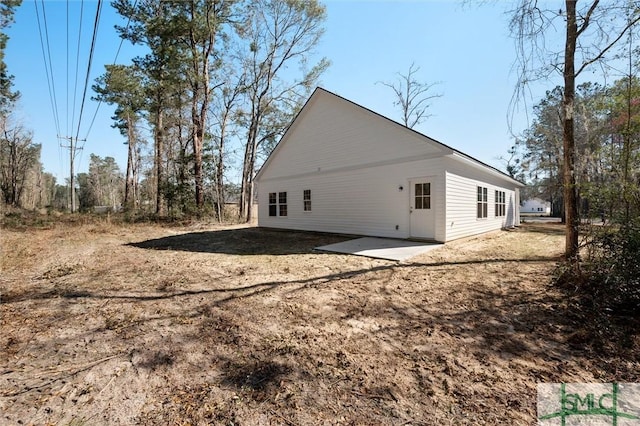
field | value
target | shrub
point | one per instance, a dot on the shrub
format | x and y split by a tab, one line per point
611	269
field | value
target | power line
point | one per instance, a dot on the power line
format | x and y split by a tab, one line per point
75	144
53	86
47	68
95	114
67	68
73	141
75	84
86	80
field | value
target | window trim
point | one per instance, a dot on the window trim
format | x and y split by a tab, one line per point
423	196
278	204
273	204
482	202
306	200
500	202
282	204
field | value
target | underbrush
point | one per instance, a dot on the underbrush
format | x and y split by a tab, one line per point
604	290
17	219
21	220
611	269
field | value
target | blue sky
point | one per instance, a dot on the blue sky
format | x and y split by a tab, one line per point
466	49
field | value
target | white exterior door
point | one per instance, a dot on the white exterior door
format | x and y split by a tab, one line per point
422	209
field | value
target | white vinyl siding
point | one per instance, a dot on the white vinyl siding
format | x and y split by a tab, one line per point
462	208
368	202
356	138
365	201
359	171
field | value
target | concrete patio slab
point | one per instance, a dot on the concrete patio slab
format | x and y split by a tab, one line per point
381	248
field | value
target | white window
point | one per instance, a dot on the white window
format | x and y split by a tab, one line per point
423	196
273	206
306	197
282	203
482	202
501	205
277	204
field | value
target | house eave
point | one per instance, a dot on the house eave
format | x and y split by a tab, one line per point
459	156
444	149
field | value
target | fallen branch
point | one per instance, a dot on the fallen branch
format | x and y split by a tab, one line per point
373	396
63	373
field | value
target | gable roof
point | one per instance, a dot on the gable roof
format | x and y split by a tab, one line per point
444	147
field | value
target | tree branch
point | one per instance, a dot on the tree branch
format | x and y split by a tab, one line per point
599	56
587	18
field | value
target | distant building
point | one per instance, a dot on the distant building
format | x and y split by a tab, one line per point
536	206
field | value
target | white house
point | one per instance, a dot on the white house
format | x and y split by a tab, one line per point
536	206
343	168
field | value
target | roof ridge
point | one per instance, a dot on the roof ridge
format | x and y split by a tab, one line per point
377	114
414	131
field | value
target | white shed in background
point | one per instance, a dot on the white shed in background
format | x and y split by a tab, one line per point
536	206
343	168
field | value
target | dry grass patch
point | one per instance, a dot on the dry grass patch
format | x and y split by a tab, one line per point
115	324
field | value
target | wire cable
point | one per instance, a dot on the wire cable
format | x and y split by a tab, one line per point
47	67
96	24
95	114
75	84
67	69
53	85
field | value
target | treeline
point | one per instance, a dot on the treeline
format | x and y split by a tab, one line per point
23	182
217	87
606	281
607	164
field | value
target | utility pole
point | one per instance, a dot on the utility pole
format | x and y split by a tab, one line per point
73	149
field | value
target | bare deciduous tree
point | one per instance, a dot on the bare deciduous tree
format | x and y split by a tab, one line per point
281	34
412	96
18	155
591	32
205	19
227	96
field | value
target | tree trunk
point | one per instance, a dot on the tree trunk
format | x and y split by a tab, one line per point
136	180
246	190
627	183
244	184
13	195
161	203
200	124
197	135
197	168
128	183
569	181
219	183
201	89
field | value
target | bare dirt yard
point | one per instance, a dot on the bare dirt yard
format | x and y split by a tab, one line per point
104	323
